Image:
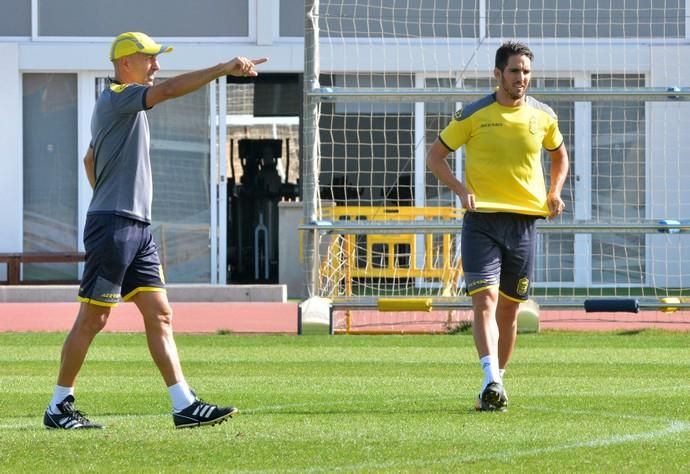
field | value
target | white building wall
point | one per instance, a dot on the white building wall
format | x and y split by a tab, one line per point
11	171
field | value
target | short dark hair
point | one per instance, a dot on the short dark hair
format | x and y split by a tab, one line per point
511	48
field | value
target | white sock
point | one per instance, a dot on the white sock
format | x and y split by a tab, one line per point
181	396
502	373
59	394
490	367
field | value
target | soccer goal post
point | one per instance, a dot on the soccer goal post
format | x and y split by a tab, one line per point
384	77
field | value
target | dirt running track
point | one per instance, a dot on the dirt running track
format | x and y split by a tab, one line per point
188	317
281	318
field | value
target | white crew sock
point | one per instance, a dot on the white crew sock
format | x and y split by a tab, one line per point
59	394
181	396
490	367
501	373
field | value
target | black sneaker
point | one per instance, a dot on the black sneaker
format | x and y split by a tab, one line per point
503	401
69	418
492	398
201	413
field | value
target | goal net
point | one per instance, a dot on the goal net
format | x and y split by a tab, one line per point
384	77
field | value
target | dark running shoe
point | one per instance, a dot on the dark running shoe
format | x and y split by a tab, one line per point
492	398
201	413
68	418
503	402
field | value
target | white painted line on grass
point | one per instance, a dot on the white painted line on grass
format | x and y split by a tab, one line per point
674	427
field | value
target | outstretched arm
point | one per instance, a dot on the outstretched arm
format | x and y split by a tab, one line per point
437	163
189	82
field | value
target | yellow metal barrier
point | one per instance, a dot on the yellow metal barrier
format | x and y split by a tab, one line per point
392	256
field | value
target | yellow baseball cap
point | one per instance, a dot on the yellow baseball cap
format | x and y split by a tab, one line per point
134	42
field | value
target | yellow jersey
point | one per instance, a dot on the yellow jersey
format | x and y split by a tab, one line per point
503	153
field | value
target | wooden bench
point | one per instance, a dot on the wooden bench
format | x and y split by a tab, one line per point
15	260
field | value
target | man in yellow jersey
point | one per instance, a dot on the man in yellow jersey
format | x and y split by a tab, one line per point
121	257
504	193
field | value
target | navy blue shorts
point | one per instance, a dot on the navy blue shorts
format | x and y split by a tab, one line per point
121	260
498	250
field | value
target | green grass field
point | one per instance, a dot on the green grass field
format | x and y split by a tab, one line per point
578	403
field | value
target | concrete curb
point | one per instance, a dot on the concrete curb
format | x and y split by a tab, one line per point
176	293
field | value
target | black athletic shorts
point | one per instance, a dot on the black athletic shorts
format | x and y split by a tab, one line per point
498	250
121	260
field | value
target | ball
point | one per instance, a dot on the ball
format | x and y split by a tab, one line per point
528	317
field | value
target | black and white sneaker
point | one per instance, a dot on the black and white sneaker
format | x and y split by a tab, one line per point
492	398
201	413
68	418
